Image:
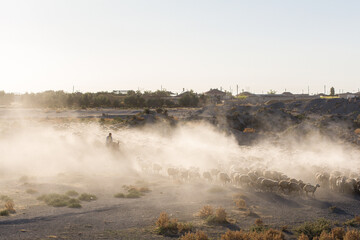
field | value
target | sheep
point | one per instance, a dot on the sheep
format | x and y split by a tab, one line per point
295	187
214	172
269	184
340	184
242	179
157	168
223	177
322	178
252	176
207	176
310	188
184	174
194	174
350	186
284	185
173	172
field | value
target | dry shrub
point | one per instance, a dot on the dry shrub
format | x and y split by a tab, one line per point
4	212
357	131
9	206
206	211
240	203
218	218
270	234
273	235
303	237
352	235
170	227
249	130
338	233
353	222
259	222
200	235
324	236
235	235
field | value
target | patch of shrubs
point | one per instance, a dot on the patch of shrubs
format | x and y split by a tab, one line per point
213	217
87	197
59	200
132	192
355	222
314	229
200	235
72	193
243	235
171	227
335	234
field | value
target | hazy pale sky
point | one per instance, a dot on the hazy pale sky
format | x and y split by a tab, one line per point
191	44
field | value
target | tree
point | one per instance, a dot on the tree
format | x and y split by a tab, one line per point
332	91
189	99
271	91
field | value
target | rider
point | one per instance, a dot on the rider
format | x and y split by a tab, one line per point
109	140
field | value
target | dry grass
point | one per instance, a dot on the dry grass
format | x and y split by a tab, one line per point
270	234
352	235
240	203
171	227
206	211
218	218
249	130
10	206
303	237
353	222
200	235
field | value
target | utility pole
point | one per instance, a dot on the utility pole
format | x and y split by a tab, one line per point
325	89
308	90
237	89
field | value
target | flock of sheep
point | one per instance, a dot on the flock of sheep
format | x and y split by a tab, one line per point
262	180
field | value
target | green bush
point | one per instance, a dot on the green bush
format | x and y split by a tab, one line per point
314	229
87	197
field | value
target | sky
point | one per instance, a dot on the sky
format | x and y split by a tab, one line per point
108	45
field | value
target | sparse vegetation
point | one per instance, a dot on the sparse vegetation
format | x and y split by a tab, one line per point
4	212
240	203
314	229
352	235
355	222
270	234
206	211
10	206
218	218
58	200
132	192
87	197
199	235
72	193
171	227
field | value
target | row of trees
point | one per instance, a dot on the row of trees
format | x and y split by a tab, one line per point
60	99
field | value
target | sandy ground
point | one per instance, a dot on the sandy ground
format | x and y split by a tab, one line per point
114	218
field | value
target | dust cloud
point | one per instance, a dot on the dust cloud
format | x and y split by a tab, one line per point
45	149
